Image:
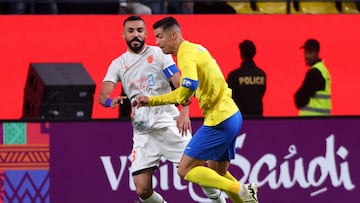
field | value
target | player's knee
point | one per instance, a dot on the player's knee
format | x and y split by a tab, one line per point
144	192
181	172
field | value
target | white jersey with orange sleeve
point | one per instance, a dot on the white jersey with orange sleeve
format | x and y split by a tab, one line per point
146	73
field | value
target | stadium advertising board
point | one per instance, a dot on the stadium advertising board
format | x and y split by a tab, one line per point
95	40
292	160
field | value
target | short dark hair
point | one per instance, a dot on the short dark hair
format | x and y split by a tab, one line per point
132	18
247	49
166	23
311	45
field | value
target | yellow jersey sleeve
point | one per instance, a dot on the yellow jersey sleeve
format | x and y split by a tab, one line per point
201	73
178	96
169	98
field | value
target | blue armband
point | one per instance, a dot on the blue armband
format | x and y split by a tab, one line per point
170	71
108	102
190	83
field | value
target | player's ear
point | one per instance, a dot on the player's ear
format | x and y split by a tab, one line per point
123	34
174	35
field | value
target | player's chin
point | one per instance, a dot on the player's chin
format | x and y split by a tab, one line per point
164	50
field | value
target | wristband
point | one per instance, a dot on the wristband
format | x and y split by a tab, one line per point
108	102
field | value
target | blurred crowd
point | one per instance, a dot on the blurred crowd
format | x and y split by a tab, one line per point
175	6
114	7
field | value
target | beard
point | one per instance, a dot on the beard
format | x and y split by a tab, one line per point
137	47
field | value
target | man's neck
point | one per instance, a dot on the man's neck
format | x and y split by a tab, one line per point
178	45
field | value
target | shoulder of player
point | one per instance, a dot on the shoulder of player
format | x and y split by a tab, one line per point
189	45
121	57
191	48
154	50
157	53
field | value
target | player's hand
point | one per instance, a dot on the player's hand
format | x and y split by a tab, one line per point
117	101
140	101
183	122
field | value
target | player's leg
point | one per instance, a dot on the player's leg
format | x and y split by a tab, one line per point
143	185
247	192
207	177
222	168
143	165
214	194
209	143
212	143
172	149
193	170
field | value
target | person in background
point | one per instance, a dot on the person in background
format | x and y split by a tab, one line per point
206	159
180	7
33	7
157	7
170	6
248	82
313	98
213	7
130	7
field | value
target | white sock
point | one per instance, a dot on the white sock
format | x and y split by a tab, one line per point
215	195
242	190
154	198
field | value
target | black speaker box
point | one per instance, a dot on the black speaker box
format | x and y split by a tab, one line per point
58	90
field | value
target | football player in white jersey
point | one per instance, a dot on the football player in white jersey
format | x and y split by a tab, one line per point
160	131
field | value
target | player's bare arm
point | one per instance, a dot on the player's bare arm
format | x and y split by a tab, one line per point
183	122
104	97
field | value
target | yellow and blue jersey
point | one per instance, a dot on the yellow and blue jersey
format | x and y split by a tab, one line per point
201	76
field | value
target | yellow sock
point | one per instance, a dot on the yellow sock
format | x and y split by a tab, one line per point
234	197
205	176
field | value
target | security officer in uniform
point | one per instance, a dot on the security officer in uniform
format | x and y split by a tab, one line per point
313	98
248	82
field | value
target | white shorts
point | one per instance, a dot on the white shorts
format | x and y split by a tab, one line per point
149	146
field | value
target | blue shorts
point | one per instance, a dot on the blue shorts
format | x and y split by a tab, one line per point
215	143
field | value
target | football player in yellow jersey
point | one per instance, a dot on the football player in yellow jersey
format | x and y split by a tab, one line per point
207	157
